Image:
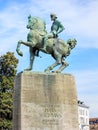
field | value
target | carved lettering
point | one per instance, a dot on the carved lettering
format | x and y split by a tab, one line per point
51	114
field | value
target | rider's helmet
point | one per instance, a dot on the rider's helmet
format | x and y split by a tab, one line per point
53	15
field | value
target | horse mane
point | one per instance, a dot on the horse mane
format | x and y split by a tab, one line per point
40	23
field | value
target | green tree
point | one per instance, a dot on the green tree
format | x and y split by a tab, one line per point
8	65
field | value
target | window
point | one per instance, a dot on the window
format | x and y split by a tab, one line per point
86	112
82	120
87	121
91	122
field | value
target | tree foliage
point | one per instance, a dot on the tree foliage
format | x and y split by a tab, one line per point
8	65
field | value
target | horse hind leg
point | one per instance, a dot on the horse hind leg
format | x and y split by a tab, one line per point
58	62
62	67
49	68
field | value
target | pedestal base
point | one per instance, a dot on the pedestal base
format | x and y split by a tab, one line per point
45	102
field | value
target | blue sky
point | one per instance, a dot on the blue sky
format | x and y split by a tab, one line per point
80	19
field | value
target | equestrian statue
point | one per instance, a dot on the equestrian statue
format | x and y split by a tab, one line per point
39	40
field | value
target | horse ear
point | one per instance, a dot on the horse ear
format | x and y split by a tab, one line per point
29	16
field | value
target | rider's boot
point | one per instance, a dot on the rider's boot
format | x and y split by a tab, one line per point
44	48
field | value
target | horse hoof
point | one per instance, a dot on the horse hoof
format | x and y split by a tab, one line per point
28	69
46	71
57	71
20	53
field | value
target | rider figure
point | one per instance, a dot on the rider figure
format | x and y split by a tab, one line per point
56	28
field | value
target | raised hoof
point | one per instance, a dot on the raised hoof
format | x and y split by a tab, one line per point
19	52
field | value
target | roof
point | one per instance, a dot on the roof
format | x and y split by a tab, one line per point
93	119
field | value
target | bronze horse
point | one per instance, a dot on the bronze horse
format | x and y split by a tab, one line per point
56	47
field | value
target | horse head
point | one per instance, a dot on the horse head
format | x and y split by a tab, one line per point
36	23
31	22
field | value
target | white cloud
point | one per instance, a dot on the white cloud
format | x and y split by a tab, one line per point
87	79
12	28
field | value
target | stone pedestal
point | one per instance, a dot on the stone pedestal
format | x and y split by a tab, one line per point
45	102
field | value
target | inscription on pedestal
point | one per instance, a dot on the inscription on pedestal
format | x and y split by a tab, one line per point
52	114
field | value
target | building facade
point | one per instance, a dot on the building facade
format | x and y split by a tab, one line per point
83	115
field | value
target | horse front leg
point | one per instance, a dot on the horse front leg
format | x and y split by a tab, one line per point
29	44
18	49
32	56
